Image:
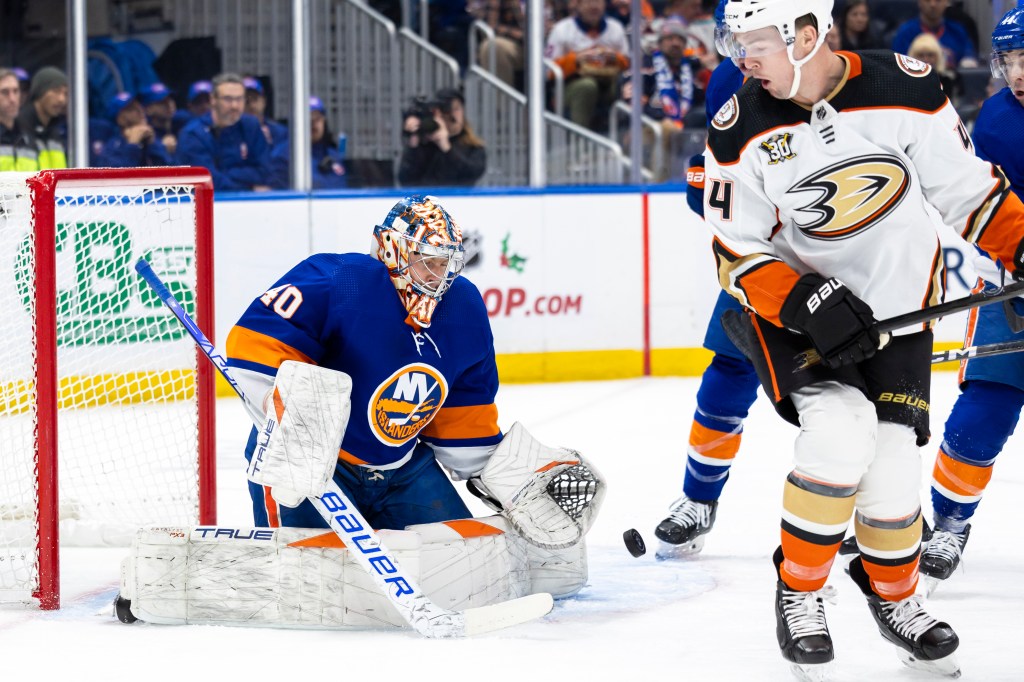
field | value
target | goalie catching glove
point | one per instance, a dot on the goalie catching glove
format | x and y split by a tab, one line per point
550	496
297	449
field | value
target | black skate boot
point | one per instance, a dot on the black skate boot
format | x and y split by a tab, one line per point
941	555
922	642
681	534
800	627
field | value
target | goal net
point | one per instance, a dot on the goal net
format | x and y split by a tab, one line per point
106	411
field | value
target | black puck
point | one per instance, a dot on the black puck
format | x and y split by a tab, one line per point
634	542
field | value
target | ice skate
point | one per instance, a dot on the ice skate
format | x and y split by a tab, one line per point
682	532
803	635
922	642
941	556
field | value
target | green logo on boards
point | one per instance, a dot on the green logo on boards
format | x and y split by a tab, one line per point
100	298
511	261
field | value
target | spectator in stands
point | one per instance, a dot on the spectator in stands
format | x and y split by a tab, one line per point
328	161
24	82
135	143
228	141
927	49
952	36
506	19
200	98
668	91
441	148
855	28
256	105
160	111
449	28
591	50
275	133
621	10
41	119
15	152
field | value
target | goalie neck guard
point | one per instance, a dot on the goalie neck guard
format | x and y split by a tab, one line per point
421	246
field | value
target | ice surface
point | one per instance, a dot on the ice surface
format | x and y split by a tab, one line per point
709	618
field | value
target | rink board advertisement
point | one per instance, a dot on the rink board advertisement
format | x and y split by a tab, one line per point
578	284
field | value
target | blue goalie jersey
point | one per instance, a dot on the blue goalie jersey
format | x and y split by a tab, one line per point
341	311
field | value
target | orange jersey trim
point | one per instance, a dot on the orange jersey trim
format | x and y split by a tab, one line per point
346	456
776	396
1002	235
245	344
767	287
475	421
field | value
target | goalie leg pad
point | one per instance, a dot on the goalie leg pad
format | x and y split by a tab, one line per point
302	578
549	495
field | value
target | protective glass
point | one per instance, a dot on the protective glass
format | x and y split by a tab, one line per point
1008	65
751	44
432	269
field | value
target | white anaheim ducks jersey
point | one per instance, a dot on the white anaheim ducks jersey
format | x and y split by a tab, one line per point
840	189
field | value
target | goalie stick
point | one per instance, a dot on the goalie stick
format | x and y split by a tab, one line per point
415	607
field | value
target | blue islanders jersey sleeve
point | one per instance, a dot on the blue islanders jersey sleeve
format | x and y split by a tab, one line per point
285	323
464	432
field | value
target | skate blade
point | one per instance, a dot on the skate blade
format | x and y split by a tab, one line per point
930	585
813	672
667	551
947	666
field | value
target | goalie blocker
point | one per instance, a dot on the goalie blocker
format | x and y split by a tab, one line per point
303	578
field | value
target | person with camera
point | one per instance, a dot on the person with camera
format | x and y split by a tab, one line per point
441	148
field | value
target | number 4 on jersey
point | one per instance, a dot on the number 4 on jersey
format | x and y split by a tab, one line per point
720	197
286	299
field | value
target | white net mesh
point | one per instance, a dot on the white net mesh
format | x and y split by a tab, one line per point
127	423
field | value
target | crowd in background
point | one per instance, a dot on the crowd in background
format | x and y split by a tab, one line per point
222	123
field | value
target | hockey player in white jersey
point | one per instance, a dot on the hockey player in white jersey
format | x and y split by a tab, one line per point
817	179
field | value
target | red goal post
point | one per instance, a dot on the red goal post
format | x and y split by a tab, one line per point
107	409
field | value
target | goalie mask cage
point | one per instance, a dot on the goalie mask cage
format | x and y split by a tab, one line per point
106	405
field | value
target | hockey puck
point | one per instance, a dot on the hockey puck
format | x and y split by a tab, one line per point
634	542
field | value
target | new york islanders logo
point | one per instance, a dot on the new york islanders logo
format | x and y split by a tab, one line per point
851	196
405	402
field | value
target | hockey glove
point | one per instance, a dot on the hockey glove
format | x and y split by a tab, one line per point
839	325
695	184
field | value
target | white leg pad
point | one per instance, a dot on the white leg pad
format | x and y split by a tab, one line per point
891	488
302	578
838	430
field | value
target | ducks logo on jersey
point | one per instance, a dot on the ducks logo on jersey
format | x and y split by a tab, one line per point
727	115
912	67
852	195
405	402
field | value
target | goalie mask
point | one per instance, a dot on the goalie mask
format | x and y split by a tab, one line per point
421	246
